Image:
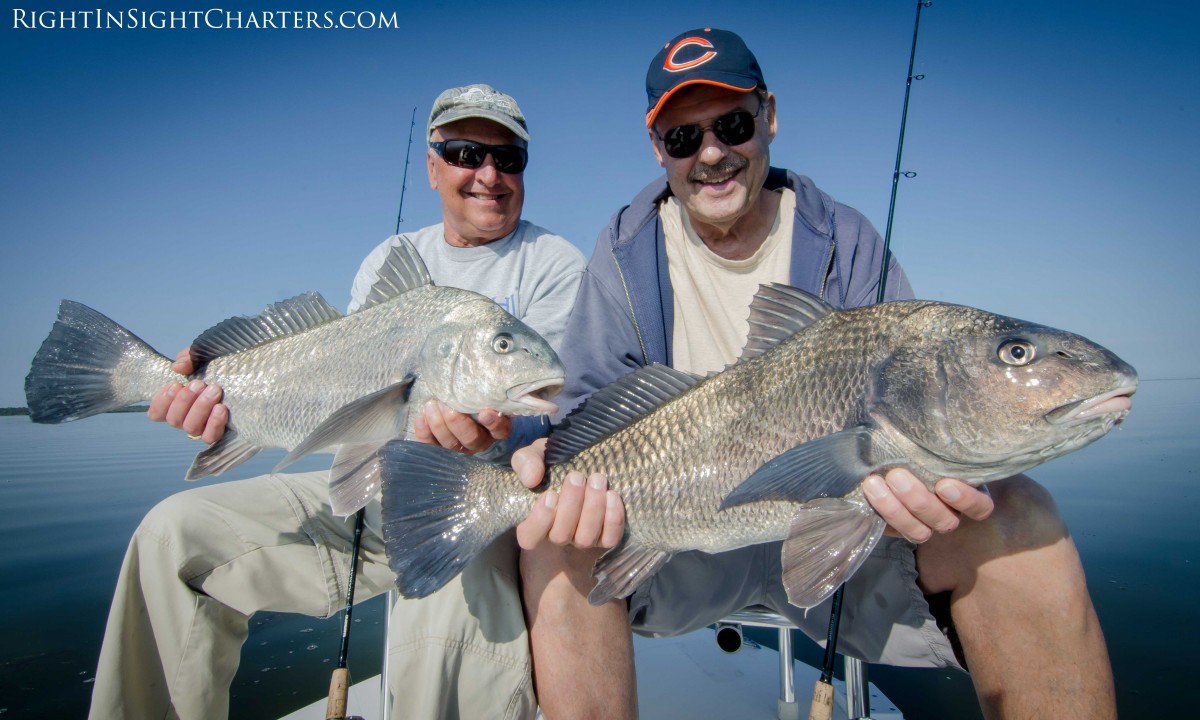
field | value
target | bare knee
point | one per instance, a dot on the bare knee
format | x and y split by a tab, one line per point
1026	519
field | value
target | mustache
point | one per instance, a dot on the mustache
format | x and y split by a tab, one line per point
728	166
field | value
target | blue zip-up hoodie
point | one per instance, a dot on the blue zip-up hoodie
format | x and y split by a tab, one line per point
623	314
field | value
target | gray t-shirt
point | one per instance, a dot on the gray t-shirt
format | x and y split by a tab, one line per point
531	272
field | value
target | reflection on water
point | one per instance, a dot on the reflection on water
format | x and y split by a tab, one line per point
72	494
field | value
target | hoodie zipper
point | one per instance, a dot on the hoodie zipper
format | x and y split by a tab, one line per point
637	328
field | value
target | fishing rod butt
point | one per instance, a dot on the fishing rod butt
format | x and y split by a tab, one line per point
822	702
339	688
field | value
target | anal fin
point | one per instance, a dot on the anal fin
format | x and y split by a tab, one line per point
621	570
230	451
354	478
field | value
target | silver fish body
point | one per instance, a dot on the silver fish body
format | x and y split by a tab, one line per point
775	446
303	377
443	336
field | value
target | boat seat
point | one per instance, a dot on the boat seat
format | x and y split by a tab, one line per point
857	704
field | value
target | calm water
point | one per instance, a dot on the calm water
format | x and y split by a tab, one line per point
72	494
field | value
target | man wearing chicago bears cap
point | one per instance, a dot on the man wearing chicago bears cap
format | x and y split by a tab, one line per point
670	282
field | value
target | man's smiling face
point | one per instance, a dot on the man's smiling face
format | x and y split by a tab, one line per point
720	183
479	205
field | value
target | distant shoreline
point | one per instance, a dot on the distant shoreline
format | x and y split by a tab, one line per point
4	412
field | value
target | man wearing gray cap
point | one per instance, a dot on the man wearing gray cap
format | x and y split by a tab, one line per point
204	560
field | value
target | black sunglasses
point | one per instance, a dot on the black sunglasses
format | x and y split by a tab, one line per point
509	159
732	129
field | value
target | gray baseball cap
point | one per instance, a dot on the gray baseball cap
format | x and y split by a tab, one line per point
477	101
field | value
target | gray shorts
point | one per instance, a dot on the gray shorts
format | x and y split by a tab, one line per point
885	617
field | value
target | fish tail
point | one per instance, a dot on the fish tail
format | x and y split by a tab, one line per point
88	365
440	510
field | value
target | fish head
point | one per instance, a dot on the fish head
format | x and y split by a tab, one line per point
483	357
988	396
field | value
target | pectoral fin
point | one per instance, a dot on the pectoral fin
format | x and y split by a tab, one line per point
380	416
828	540
830	466
229	451
621	570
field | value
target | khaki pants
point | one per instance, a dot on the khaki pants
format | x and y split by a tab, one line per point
204	560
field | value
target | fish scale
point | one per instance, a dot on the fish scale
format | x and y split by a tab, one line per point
329	366
775	446
664	504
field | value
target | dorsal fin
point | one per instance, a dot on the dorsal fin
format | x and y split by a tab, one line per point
777	313
286	317
615	406
402	270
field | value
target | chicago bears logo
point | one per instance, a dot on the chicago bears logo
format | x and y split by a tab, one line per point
671	65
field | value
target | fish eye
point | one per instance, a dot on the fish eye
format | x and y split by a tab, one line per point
1017	352
503	343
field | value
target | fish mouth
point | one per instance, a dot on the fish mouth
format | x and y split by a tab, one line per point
535	395
1115	403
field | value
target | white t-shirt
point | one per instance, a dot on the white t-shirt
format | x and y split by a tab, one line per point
712	294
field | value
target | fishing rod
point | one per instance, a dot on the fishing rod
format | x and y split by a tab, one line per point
887	234
404	182
822	703
339	684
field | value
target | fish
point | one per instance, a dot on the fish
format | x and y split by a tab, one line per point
776	446
304	377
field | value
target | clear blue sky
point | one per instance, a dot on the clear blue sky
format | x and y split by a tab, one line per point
172	178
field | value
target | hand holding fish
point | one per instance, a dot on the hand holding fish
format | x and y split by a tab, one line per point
915	513
441	425
196	408
585	514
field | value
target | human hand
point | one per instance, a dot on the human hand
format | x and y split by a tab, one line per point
915	513
195	408
584	514
439	425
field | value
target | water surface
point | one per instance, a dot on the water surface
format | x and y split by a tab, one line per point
72	496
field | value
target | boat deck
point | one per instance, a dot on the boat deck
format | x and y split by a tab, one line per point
686	678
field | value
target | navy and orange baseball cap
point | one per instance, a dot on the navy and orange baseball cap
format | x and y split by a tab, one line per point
700	57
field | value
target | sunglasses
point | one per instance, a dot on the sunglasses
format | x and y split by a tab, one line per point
732	129
509	159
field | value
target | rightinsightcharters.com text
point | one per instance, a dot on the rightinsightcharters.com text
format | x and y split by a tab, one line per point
212	19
